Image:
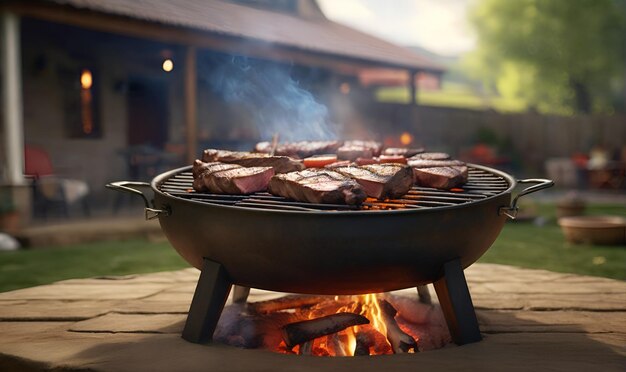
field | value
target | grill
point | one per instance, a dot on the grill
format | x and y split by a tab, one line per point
481	184
268	242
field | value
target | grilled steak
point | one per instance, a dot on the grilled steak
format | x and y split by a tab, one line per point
407	153
201	169
351	150
281	164
424	163
320	186
431	156
381	181
441	177
239	180
302	149
440	174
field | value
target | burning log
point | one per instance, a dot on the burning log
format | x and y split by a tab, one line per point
399	340
337	345
364	341
284	303
306	348
299	332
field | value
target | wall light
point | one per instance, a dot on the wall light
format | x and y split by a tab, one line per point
168	65
86	80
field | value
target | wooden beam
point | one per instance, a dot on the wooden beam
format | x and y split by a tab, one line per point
191	103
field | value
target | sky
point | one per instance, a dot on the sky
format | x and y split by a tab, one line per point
437	25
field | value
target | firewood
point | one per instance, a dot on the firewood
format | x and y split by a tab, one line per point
337	345
286	302
364	341
299	332
306	348
399	340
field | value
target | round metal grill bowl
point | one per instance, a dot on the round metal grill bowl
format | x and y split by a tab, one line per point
335	251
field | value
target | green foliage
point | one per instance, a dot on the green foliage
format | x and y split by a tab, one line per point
561	56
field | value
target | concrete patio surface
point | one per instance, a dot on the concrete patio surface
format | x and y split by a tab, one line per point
530	320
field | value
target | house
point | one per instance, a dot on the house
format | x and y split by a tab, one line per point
115	89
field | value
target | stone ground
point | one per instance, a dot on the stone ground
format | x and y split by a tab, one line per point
530	320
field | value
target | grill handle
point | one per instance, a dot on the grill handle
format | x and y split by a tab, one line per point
541	183
125	186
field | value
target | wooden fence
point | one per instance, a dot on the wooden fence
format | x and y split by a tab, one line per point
529	137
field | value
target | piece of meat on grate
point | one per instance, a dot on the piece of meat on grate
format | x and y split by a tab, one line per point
430	156
407	153
201	169
302	149
381	181
239	180
445	177
351	150
440	174
319	186
281	164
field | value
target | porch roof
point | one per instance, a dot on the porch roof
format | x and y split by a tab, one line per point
313	35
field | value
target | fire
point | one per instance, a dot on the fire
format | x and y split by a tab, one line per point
346	325
368	306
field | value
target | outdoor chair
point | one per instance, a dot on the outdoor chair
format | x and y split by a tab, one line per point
52	194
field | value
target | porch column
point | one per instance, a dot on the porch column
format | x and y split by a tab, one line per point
412	87
12	119
191	99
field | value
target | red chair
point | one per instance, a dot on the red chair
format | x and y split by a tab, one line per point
51	192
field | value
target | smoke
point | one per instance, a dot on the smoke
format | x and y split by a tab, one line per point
278	103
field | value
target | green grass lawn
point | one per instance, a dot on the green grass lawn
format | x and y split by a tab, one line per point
27	268
452	95
524	244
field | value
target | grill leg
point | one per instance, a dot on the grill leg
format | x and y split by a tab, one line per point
456	304
208	302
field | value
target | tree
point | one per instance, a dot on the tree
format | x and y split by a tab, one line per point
561	56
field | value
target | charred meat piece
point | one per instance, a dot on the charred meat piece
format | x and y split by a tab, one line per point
281	164
407	153
201	169
239	180
445	177
302	149
337	164
440	174
425	163
352	153
320	186
376	147
351	150
381	181
431	156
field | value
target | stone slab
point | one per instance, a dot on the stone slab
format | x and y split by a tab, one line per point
552	321
73	291
571	329
42	310
132	323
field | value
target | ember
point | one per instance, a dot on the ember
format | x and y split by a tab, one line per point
335	326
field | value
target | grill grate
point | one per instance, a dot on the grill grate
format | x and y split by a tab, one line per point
480	185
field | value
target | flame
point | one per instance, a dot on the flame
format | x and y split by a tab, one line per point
366	305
